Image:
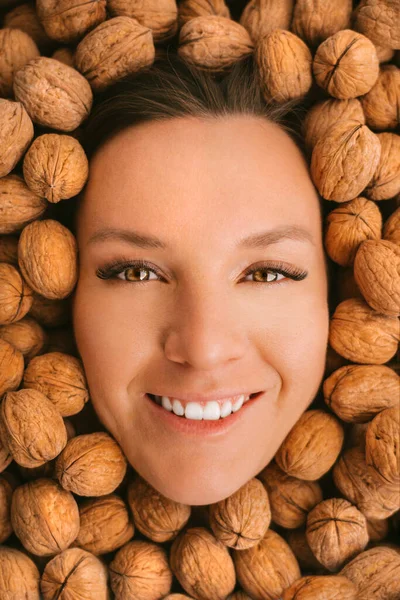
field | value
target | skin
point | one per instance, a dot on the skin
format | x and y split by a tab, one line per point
208	325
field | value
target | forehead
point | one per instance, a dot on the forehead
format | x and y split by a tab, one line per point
199	175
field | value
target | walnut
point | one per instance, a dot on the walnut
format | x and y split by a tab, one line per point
239	595
157	517
363	335
297	541
188	9
69	20
191	554
378	529
65	55
315	21
241	520
385	182
32	427
381	102
5	455
140	569
91	464
379	20
61	378
344	160
105	524
391	227
14	563
336	531
9	249
291	498
349	225
284	65
267	568
16	49
377	274
12	367
384	54
47	257
356	393
318	587
260	17
214	43
24	17
114	49
6	492
50	313
26	335
325	114
19	206
16	133
56	167
376	573
305	453
44	517
161	16
78	573
361	486
15	295
382	451
346	64
54	94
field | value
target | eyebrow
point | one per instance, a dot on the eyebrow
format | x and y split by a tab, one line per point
255	240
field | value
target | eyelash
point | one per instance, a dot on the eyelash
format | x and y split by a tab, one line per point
111	270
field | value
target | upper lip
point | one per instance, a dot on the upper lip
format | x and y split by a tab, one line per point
194	397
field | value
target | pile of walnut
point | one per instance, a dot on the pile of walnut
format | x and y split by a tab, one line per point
319	521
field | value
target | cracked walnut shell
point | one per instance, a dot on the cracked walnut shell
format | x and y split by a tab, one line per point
382	450
260	17
69	20
385	182
19	206
16	49
315	21
15	295
188	9
16	133
161	16
13	564
321	587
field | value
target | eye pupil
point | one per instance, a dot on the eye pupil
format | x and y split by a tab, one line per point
269	276
137	269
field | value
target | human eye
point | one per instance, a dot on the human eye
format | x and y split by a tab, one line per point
276	273
132	271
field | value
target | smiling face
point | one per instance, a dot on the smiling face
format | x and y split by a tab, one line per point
201	322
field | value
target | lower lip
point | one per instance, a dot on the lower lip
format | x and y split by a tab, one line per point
202	427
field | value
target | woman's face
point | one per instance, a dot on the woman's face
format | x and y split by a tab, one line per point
203	324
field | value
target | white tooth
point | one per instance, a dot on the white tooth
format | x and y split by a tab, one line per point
177	407
226	409
194	411
211	411
238	404
166	403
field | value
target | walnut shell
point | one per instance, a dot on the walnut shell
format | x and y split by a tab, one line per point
6	492
267	569
385	182
16	49
105	524
15	295
24	17
376	573
356	393
327	113
379	20
32	428
346	64
336	531
69	20
56	167
191	554
140	569
382	451
284	65
19	206
114	49
315	21
65	55
50	313
297	540
384	54
214	43
91	464
378	529
241	520
344	160
26	335
161	16
391	227
47	257
44	516
239	595
12	367
377	274
381	102
347	226
61	378
189	9
16	133
363	335
54	94
157	517
321	587
361	486
304	452
290	498
260	17
9	249
19	576
81	574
